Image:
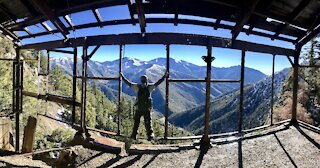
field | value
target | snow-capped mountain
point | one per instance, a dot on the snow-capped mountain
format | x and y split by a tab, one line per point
183	96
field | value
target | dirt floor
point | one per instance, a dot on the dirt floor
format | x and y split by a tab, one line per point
279	147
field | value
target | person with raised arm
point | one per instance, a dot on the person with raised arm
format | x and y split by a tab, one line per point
143	103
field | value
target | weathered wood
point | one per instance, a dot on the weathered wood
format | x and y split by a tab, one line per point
84	86
51	97
243	54
6	140
295	84
74	84
29	135
272	90
119	89
208	59
166	112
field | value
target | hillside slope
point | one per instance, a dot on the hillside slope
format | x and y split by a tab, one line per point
224	110
183	96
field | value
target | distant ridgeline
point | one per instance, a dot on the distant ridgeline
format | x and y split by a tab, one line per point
183	96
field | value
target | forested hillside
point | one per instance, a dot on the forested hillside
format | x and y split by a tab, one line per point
101	112
224	110
308	108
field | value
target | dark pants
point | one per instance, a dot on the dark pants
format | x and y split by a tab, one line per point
147	121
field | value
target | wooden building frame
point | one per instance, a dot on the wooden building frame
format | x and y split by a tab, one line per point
293	21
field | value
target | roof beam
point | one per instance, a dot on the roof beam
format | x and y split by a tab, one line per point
28	31
162	38
47	11
69	21
217	23
8	33
141	16
293	16
93	52
249	8
97	16
309	36
160	20
46	26
130	7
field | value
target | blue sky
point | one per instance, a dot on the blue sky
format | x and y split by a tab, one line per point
224	57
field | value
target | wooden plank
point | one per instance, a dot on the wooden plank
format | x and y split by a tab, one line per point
29	135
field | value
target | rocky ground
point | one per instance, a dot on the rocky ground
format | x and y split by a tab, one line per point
279	147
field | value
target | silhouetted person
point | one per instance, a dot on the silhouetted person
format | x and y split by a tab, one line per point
143	103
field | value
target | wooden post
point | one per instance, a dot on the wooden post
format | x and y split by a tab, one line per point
29	134
243	54
74	84
295	85
272	90
84	86
166	112
119	89
205	141
16	97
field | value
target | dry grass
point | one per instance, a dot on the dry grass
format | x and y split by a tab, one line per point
285	110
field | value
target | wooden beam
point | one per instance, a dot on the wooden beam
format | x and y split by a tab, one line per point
93	52
296	12
205	141
295	86
166	112
50	97
97	16
46	26
161	20
241	108
61	51
141	16
47	11
9	33
249	8
27	31
119	90
69	21
131	8
162	38
74	84
310	35
217	23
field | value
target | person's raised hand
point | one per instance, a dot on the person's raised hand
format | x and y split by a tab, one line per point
166	74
